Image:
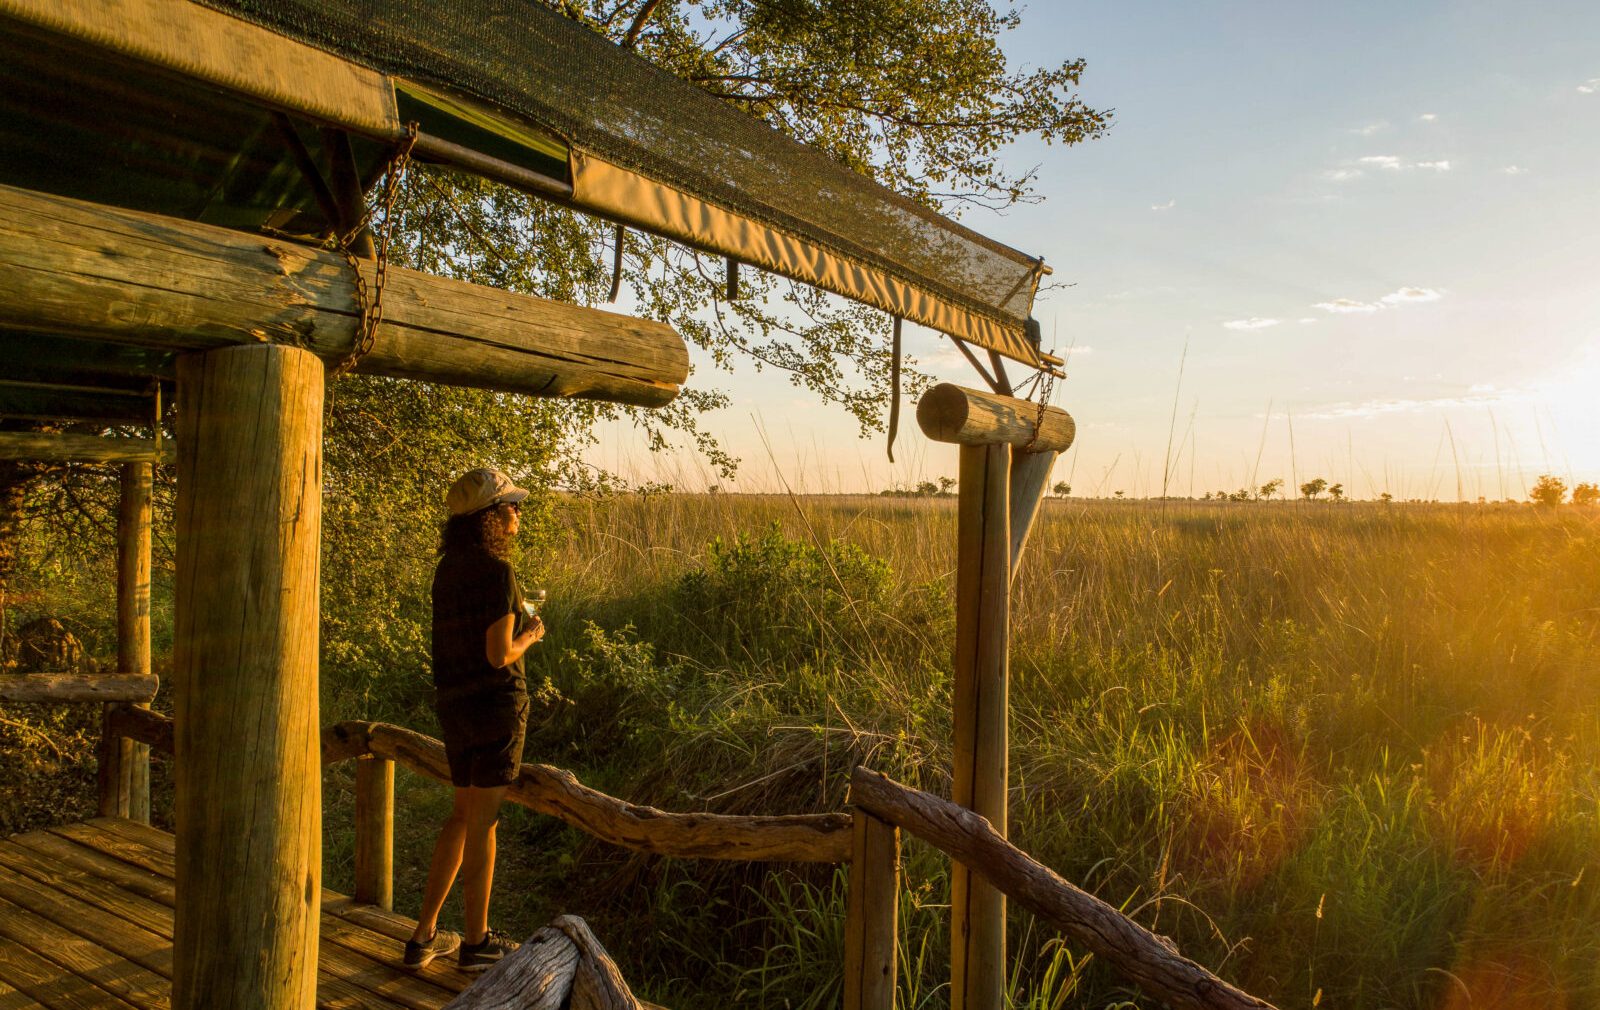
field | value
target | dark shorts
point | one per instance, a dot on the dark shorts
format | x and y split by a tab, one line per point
483	738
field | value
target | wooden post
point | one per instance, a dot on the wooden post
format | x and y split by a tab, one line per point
375	831
1030	477
249	789
872	915
125	792
983	615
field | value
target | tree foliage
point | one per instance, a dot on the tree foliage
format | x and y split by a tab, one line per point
1548	490
916	94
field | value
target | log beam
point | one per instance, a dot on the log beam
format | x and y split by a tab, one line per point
46	401
73	687
107	273
249	791
951	413
65	448
1143	958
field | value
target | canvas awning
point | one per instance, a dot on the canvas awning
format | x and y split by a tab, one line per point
513	83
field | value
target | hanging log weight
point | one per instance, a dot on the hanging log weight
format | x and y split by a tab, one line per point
951	413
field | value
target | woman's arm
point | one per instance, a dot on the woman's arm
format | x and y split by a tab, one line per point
501	648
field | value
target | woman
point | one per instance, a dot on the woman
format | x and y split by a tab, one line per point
481	696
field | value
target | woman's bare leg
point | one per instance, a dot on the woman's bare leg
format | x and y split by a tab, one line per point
477	860
447	856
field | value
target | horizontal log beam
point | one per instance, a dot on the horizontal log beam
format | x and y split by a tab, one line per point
801	838
951	413
48	402
67	448
107	273
71	687
1140	956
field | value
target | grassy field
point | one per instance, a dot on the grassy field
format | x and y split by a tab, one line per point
1344	754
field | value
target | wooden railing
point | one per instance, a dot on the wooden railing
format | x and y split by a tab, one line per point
868	839
122	772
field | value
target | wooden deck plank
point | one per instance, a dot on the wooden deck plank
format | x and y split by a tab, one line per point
119	847
83	957
107	884
101	889
51	987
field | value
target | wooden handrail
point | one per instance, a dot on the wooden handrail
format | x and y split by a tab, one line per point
75	687
1149	961
805	838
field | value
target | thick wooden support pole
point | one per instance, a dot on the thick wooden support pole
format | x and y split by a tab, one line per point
249	785
983	618
125	784
951	413
871	924
135	278
1030	478
375	831
83	448
1138	955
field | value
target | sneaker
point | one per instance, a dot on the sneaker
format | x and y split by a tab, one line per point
489	951
441	943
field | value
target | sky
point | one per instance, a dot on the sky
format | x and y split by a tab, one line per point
1366	234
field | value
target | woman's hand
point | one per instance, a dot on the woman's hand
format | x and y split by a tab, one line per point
501	649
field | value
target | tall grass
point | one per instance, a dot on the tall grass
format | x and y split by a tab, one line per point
1344	755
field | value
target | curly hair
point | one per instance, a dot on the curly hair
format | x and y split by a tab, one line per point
480	530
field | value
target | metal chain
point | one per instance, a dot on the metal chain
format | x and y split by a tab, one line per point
370	302
1045	382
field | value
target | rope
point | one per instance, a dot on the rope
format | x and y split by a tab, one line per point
370	302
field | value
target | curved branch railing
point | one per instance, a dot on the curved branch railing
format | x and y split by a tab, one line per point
868	839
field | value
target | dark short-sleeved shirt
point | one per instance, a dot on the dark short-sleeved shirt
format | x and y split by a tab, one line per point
472	589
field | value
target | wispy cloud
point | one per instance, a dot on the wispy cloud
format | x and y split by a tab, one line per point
1164	206
1433	166
1343	174
1428	117
1385	161
1590	86
1253	323
1513	170
1346	305
1307	319
1407	296
1476	396
1371	128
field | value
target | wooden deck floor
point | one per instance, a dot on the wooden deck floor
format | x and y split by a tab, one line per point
86	924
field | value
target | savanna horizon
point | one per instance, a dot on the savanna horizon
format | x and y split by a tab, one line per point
1347	750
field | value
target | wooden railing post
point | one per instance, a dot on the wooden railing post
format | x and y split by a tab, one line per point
125	764
872	911
983	615
375	831
249	784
